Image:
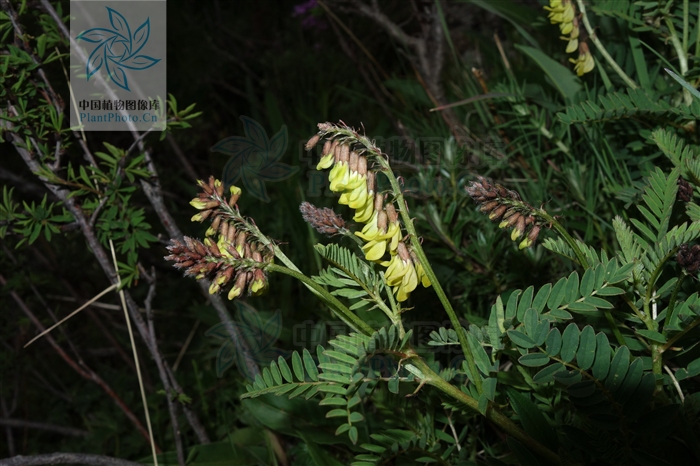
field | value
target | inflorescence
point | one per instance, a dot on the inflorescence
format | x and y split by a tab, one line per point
236	257
351	175
507	206
563	12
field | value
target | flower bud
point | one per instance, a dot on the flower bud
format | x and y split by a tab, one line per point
519	228
498	213
235	195
259	283
240	243
200	204
239	286
201	216
391	213
219	187
371	180
353	161
327	148
205	187
362	165
487	207
211	231
311	143
231	234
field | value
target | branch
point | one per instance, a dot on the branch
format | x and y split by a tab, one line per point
42	426
56	101
105	263
428	60
81	369
66	458
376	15
172	409
154	193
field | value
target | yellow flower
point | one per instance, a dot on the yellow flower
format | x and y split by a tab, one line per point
526	243
422	276
365	213
585	62
239	286
338	176
357	198
326	161
401	275
235	292
371	229
259	284
409	282
566	28
201	204
395	271
374	250
223	246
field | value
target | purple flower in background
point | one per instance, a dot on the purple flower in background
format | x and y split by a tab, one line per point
304	8
309	10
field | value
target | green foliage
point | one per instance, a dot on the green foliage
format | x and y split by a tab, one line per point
342	373
347	274
633	103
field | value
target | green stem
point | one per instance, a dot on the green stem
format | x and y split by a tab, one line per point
680	334
634	308
495	416
673	299
584	263
395	312
681	52
613	326
686	30
345	314
565	236
697	40
649	321
349	134
418	250
601	48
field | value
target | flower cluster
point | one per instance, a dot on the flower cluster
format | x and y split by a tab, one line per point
351	177
324	220
685	190
507	206
563	12
689	258
236	257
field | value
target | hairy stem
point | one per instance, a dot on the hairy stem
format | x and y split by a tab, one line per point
418	249
565	236
601	48
492	414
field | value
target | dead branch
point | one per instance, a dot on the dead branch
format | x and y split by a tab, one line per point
82	369
66	458
21	423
